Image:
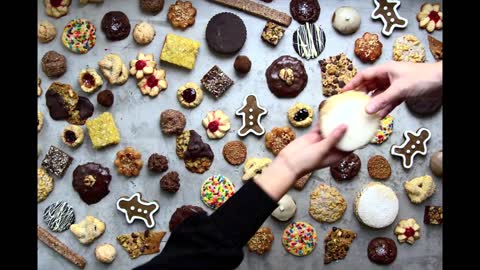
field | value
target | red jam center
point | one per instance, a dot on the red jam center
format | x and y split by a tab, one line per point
434	16
56	3
140	64
409	232
70	136
152	81
213	126
189	95
88	80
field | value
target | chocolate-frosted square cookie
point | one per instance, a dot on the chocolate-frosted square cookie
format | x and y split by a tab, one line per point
216	81
56	161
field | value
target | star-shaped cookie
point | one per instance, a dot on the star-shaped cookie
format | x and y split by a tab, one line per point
135	208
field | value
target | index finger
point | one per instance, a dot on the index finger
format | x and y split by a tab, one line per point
364	76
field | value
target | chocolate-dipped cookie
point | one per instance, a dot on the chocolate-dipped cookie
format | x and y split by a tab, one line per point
226	33
286	76
91	181
183	213
309	41
116	25
305	10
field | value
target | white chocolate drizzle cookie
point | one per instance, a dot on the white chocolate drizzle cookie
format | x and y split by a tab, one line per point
408	231
89	80
154	83
88	229
408	48
113	69
254	167
190	95
420	188
430	17
56	8
144	65
216	123
300	115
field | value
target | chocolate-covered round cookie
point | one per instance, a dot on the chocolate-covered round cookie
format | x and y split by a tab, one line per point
91	181
54	64
183	213
305	10
424	106
347	168
286	76
116	25
226	33
382	250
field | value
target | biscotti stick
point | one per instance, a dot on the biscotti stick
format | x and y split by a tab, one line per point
258	9
55	244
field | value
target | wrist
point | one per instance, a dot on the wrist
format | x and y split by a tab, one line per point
277	178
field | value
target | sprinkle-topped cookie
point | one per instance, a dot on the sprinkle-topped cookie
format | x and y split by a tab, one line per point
299	238
384	130
79	36
216	190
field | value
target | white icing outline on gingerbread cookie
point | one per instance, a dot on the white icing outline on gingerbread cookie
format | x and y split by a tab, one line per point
384	20
415	152
131	219
244	117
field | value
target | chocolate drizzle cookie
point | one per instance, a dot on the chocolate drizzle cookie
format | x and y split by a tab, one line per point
309	41
91	181
59	216
304	11
286	76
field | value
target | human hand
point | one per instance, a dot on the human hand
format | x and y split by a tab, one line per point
394	82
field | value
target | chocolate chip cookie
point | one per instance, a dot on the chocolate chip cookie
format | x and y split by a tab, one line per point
337	71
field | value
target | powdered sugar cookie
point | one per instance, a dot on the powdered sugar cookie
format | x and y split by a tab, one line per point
376	205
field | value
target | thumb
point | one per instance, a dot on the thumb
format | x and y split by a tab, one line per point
331	139
388	97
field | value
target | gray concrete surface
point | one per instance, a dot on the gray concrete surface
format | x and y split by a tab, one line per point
137	118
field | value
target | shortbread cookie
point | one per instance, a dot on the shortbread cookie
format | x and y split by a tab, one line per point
89	80
286	208
407	230
349	108
254	167
420	188
88	229
408	48
190	95
376	205
326	204
113	69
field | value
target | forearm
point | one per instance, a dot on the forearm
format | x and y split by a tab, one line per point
277	178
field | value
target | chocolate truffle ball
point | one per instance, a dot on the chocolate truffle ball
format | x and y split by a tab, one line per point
242	64
105	98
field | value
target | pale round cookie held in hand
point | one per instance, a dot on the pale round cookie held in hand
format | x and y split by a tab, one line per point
144	65
105	253
89	80
56	8
326	204
154	83
300	115
217	123
346	20
72	135
349	108
420	188
190	95
408	231
143	33
376	205
286	208
88	229
299	238
39	121
46	31
45	184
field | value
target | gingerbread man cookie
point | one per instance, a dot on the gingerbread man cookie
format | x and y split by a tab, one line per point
415	143
134	207
251	113
386	10
217	124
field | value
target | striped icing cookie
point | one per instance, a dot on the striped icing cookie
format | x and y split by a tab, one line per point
79	36
309	41
216	190
299	238
384	130
59	216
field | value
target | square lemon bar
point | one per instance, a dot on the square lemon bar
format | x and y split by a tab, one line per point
180	51
103	131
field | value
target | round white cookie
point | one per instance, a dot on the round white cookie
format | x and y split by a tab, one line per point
376	205
286	208
346	20
349	108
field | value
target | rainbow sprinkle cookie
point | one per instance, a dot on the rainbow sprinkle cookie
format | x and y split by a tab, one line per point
79	36
299	238
384	130
216	190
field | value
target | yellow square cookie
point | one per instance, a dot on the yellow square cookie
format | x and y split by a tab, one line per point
103	131
180	51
